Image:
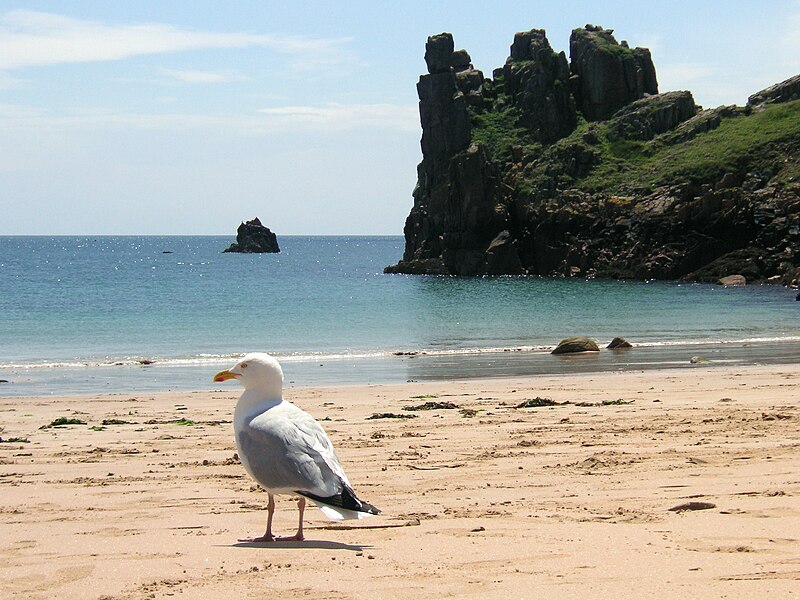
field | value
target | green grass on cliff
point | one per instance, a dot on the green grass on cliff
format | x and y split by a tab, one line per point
727	148
738	144
499	132
766	140
604	42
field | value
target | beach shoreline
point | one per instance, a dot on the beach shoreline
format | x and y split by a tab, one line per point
483	500
190	375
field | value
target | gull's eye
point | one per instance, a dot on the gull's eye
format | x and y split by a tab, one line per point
244	365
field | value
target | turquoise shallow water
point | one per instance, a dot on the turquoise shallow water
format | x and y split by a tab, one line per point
80	314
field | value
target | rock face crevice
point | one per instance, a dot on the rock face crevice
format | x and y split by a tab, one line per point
581	168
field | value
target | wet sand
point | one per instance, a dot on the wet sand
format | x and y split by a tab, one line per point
484	500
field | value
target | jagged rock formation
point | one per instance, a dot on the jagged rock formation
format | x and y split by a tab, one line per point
786	91
653	115
608	75
458	186
537	81
584	169
253	237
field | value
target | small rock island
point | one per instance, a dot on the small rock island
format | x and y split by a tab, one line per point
252	237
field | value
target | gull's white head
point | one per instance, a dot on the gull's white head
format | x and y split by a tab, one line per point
258	372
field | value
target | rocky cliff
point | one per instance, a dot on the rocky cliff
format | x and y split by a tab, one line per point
581	168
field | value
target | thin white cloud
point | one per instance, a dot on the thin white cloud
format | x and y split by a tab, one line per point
15	111
710	84
325	119
32	38
791	39
345	116
650	40
7	82
682	76
188	76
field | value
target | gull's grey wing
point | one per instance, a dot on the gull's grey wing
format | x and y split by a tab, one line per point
288	450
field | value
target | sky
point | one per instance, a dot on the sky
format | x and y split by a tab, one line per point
187	117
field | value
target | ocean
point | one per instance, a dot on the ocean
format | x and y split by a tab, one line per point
99	314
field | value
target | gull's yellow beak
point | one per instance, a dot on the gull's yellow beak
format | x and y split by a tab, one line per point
224	376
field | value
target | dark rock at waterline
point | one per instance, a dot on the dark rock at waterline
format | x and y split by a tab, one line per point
618	343
252	237
576	344
748	262
7	381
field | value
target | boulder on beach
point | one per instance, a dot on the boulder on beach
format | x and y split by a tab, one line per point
619	342
253	237
576	344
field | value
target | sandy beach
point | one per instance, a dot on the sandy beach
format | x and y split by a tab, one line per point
656	484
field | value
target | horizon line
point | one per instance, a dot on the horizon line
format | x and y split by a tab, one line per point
194	235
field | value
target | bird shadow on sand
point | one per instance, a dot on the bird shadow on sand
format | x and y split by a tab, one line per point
305	544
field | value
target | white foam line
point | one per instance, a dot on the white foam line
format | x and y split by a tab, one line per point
299	357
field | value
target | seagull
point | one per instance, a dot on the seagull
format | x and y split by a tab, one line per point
285	449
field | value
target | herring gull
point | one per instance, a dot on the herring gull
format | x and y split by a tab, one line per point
285	449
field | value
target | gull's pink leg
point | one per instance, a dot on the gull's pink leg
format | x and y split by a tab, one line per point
267	537
297	537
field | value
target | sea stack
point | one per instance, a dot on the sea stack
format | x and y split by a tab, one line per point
253	237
